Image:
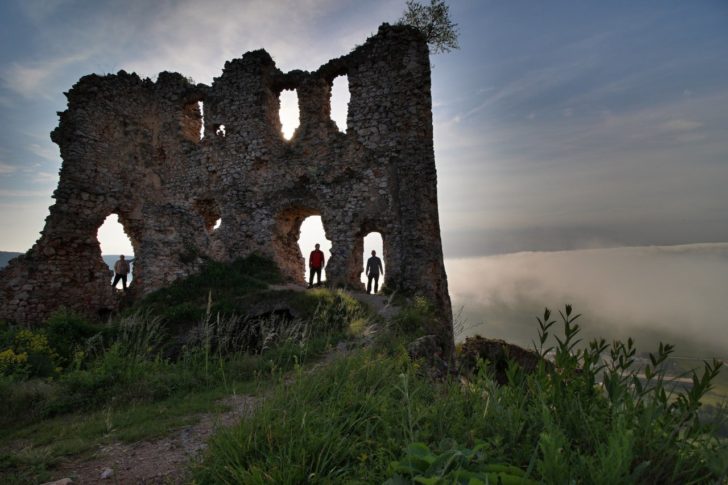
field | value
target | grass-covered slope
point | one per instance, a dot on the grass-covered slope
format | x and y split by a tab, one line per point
365	414
376	417
71	384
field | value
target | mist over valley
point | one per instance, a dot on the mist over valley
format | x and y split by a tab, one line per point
674	294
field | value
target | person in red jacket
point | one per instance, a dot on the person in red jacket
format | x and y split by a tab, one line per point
316	263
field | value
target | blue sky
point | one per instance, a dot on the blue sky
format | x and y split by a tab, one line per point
558	124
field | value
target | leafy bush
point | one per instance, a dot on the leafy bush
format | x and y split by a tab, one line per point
28	355
454	465
184	302
12	362
25	400
415	318
68	334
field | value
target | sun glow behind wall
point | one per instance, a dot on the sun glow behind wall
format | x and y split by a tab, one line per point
289	113
113	239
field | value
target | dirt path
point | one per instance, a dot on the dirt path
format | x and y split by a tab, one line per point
163	461
166	460
381	304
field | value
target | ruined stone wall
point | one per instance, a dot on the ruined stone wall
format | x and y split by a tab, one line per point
132	147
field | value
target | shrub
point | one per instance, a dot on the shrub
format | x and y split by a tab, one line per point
415	319
68	333
28	355
25	400
11	362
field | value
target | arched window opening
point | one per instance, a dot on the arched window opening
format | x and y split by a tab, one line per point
217	224
340	97
115	242
312	233
201	107
373	242
192	124
288	113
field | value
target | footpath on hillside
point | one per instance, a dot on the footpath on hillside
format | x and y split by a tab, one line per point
166	460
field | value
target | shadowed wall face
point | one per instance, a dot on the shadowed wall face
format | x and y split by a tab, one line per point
144	151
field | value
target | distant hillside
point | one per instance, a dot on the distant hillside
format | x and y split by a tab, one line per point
110	260
6	256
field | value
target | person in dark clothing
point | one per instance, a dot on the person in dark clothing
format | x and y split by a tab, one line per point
316	263
121	270
374	269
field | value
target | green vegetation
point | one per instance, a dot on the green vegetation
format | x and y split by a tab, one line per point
233	288
368	415
71	385
376	417
434	22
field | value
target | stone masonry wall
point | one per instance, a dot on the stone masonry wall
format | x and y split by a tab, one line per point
132	147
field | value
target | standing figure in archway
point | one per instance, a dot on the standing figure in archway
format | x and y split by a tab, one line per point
121	269
374	268
316	263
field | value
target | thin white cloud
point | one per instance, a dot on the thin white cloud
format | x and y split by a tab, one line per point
610	167
6	168
39	11
679	125
46	178
35	79
48	151
196	38
23	193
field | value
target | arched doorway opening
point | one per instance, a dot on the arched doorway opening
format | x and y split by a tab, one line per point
311	233
373	241
114	242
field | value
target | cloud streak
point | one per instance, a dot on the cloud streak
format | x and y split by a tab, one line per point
34	79
6	168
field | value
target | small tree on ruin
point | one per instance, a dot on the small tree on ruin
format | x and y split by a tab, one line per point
434	22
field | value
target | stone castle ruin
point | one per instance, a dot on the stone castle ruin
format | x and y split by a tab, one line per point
138	149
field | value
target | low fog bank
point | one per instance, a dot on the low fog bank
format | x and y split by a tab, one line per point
674	294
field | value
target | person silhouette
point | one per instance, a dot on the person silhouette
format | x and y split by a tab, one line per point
374	268
121	270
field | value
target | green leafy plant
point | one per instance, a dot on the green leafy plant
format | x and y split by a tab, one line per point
434	22
453	465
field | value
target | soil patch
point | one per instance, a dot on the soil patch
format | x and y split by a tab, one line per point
163	461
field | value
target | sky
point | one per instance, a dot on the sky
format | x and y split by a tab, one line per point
581	146
558	125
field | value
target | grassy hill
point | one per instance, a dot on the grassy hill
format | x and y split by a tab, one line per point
341	399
